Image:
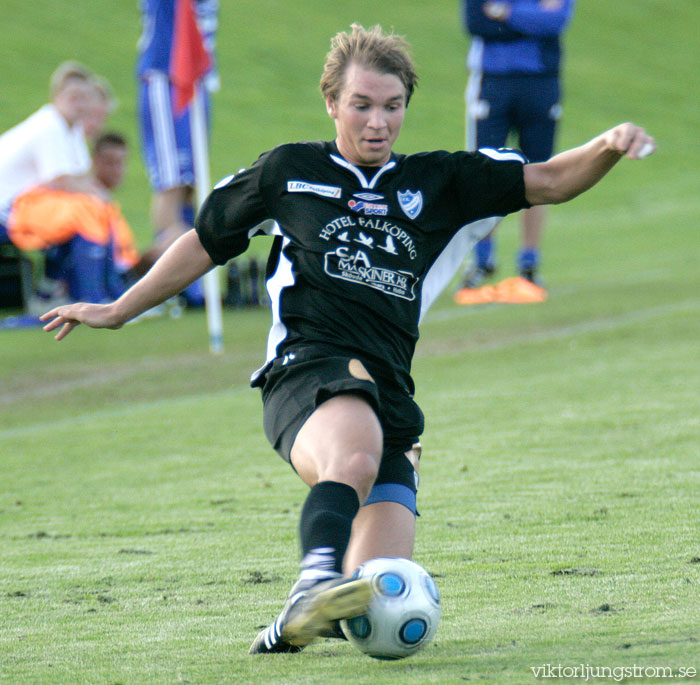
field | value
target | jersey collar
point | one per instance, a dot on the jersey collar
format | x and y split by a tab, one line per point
341	161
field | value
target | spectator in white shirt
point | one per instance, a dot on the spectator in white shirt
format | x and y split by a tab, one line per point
49	148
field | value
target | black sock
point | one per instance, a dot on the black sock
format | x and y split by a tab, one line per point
326	524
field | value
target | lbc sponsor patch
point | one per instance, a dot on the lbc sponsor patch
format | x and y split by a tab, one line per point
315	188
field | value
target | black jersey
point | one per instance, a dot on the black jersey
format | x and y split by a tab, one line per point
354	246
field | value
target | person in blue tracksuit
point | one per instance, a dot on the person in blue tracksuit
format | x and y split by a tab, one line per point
165	132
514	85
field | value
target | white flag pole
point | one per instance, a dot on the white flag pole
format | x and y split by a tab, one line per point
200	152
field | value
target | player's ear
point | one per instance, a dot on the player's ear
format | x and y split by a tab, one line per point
331	108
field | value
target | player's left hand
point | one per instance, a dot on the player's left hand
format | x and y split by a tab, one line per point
631	140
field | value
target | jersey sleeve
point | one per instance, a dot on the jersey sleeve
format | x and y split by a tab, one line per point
235	207
489	183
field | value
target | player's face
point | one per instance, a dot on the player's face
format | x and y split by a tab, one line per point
368	114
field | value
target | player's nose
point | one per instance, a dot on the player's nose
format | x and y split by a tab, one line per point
376	120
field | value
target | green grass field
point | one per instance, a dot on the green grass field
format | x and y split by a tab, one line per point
561	468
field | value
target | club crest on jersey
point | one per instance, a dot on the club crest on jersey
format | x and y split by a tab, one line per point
411	203
368	208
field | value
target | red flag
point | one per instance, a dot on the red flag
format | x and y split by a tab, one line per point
189	60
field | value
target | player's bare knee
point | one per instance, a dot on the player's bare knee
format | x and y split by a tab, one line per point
362	468
358	470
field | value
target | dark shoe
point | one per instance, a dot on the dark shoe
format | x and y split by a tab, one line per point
476	276
532	276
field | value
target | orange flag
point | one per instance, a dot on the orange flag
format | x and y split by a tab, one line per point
189	60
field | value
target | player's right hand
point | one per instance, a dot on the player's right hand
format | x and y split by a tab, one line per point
68	316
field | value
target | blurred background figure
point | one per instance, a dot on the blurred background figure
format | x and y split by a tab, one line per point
109	161
90	250
101	104
514	64
49	147
165	131
46	154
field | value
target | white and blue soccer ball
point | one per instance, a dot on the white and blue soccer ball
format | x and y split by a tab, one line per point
404	613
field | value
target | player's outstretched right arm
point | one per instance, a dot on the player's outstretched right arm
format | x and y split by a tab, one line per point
183	262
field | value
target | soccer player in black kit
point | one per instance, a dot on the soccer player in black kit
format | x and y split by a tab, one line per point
361	235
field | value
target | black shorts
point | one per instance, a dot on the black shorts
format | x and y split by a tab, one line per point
302	379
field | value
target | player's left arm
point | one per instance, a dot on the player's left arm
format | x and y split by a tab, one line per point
574	171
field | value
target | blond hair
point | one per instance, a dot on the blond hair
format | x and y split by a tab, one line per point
65	72
371	49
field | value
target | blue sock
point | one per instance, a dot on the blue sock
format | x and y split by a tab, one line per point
483	252
528	259
188	215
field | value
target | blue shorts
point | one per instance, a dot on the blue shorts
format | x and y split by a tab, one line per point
528	105
166	142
